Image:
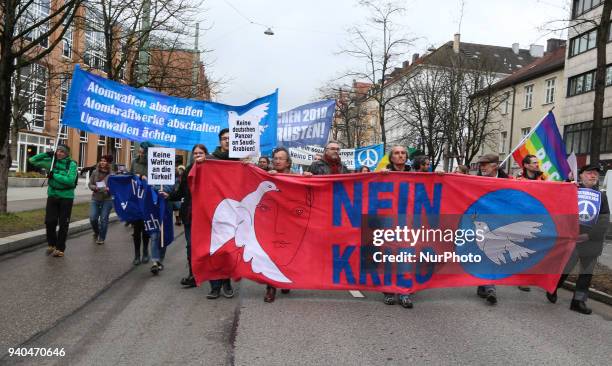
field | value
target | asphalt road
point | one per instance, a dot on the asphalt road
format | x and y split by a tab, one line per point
103	311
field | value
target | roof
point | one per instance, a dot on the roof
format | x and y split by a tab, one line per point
498	59
552	61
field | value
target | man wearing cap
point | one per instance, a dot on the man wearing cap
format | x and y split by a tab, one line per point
588	246
488	166
60	195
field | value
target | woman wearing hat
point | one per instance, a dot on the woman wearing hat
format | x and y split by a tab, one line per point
101	199
588	246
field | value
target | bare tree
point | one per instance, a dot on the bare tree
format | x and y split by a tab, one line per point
350	125
29	31
117	30
379	44
419	114
470	107
602	25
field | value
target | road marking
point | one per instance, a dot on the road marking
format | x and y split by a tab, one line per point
356	293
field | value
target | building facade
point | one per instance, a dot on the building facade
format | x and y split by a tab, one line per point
41	90
581	60
527	96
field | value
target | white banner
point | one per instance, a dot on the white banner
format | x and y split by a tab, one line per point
161	166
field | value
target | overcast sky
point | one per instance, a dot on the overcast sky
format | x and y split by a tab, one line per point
302	54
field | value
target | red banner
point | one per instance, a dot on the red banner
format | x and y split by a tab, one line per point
392	232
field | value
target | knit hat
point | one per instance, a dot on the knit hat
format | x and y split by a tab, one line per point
64	148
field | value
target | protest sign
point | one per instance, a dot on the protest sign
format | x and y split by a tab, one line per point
589	203
161	166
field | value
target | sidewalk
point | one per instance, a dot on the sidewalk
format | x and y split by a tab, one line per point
31	198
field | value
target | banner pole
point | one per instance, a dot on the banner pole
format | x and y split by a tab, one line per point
59	129
161	227
525	137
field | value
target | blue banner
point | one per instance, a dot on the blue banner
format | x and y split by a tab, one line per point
306	125
589	203
108	108
135	200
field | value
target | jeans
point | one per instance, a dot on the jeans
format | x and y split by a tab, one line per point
587	265
157	251
139	235
58	211
98	217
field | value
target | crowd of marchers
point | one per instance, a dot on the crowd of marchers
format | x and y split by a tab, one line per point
63	178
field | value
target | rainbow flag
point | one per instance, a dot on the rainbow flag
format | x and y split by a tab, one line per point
545	142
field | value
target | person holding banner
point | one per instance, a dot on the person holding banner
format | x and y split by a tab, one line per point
101	199
222	285
488	166
139	167
60	195
330	163
398	158
421	164
531	169
594	218
199	153
281	163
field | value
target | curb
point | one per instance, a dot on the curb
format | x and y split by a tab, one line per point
24	240
593	294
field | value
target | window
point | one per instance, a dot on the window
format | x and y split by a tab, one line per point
67	43
83	139
63	134
528	96
525	131
32	90
584	83
35	11
582	6
550	91
101	140
502	141
95	44
507	103
64	87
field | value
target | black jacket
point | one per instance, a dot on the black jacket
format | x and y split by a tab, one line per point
222	155
321	167
597	233
182	192
391	167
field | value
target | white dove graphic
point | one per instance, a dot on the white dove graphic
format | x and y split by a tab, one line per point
501	240
253	116
233	219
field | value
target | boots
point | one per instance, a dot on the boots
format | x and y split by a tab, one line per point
580	306
270	294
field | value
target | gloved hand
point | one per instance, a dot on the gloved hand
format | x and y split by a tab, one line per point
50	153
50	175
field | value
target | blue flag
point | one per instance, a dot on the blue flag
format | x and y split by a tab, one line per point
109	108
135	200
157	214
127	191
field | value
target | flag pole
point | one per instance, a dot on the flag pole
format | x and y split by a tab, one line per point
59	129
526	136
161	227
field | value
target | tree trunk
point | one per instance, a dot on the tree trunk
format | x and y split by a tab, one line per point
600	81
381	121
6	71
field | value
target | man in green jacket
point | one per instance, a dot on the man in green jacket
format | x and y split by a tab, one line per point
60	195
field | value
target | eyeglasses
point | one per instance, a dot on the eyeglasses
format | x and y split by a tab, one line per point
226	138
333	148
